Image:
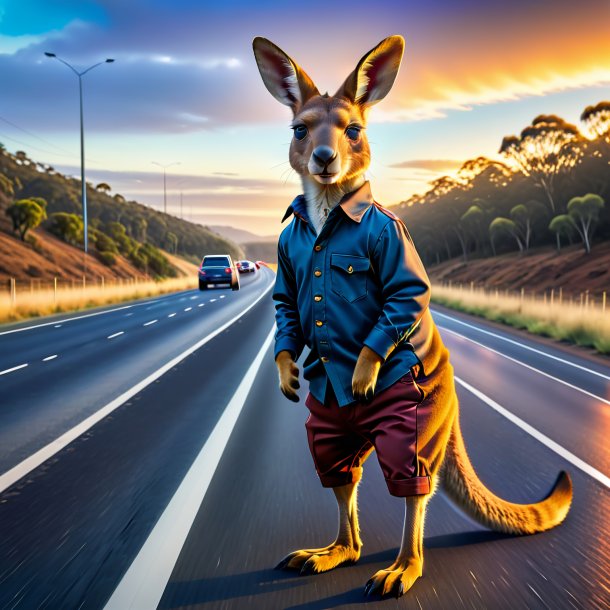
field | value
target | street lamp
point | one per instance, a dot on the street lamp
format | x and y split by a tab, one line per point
164	181
82	134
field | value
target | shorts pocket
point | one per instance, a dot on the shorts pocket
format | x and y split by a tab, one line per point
349	275
411	385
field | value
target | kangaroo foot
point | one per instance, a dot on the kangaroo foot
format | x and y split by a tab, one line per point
395	580
315	561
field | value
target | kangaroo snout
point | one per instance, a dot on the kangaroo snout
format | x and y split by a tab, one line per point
324	163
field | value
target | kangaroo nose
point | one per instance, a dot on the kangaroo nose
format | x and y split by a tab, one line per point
323	155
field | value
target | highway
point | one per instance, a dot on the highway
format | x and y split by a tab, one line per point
148	459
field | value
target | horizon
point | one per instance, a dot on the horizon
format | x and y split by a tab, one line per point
185	88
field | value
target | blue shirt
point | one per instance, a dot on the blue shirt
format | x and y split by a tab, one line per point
359	282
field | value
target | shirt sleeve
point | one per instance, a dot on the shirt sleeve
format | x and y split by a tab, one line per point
288	335
405	289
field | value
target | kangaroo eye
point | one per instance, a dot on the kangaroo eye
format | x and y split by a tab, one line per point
353	133
300	131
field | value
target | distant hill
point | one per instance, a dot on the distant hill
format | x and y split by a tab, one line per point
241	236
118	229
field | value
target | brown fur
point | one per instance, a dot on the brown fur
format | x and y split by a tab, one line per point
441	450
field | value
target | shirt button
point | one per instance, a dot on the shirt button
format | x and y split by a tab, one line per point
324	359
350	269
317	248
319	323
317	297
317	273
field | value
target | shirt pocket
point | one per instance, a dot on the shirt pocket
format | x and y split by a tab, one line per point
349	275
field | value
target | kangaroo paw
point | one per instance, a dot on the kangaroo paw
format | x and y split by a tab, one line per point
315	561
395	580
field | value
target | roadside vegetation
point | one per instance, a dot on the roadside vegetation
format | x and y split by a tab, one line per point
36	195
551	189
16	305
578	322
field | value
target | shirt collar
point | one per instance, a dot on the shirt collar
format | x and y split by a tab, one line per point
354	204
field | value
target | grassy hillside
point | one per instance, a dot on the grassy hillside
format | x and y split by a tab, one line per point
118	229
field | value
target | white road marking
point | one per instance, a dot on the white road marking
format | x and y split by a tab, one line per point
116	335
523	345
188	309
36	459
222	296
49	358
57	326
15	368
129	314
545	440
201	305
527	366
171	315
194	298
149	323
144	582
88	315
212	300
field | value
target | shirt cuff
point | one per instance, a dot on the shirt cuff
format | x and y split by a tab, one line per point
289	344
380	342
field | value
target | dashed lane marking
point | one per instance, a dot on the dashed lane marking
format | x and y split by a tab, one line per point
15	368
122	332
149	323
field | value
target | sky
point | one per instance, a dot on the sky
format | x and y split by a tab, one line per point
185	90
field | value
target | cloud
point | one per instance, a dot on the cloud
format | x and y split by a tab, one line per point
431	165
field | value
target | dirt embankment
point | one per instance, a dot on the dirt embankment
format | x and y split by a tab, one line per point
571	270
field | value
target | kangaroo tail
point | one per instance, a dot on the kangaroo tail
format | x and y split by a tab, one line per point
463	486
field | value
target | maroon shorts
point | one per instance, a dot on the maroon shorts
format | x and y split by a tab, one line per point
341	438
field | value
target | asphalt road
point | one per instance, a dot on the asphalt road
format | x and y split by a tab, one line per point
152	501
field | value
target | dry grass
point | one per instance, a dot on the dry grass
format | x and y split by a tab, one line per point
588	326
47	301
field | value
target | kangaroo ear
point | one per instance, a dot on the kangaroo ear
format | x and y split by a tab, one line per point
286	81
375	73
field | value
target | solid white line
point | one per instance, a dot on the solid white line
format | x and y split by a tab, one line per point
188	309
122	332
149	323
49	358
545	440
527	366
23	468
523	345
171	315
144	582
15	368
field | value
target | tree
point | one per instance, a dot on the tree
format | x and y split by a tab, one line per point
6	186
584	212
103	187
547	148
505	225
68	227
561	225
597	120
26	214
524	217
472	220
172	242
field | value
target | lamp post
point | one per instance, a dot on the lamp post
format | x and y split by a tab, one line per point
82	135
164	181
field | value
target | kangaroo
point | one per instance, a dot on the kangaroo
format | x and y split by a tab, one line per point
331	153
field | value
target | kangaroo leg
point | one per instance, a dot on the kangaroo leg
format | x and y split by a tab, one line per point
408	566
346	547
